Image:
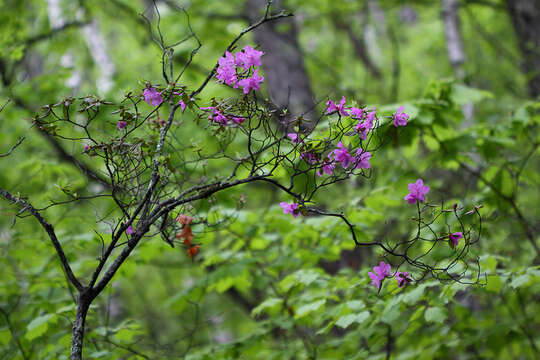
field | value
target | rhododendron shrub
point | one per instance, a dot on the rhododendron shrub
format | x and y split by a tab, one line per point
164	183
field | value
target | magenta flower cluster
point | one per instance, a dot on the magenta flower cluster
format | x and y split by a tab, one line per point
383	271
152	96
120	125
365	123
290	208
232	66
380	273
365	118
218	117
341	155
400	118
403	278
417	192
454	238
155	98
339	108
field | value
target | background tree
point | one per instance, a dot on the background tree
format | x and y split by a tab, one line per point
300	298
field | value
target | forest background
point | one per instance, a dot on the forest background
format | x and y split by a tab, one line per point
265	285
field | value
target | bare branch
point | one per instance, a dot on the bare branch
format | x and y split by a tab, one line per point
25	206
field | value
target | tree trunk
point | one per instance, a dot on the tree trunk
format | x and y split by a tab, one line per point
56	20
77	336
283	63
452	32
358	44
525	15
98	49
456	52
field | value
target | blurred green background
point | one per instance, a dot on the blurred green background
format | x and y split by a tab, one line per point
268	286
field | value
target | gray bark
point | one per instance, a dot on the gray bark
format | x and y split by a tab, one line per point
83	304
57	20
454	47
98	49
358	44
525	16
452	32
285	75
374	30
96	45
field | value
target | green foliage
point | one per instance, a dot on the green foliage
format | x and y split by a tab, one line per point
266	285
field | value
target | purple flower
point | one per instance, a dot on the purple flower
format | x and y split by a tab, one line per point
219	118
341	154
331	106
294	138
382	271
120	125
403	278
417	192
327	168
216	116
180	102
226	71
86	148
211	108
371	115
252	83
362	159
248	57
308	157
129	230
400	118
152	96
365	126
357	113
454	237
340	108
182	105
375	280
290	208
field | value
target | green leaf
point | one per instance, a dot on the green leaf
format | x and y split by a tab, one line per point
464	95
100	354
520	281
266	305
304	276
38	326
355	305
71	307
414	295
435	314
408	109
326	329
417	313
308	308
494	283
488	263
5	336
346	320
